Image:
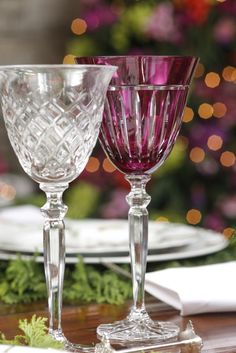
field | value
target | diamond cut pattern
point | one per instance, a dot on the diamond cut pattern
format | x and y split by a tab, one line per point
52	135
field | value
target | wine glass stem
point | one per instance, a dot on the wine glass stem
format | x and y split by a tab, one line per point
138	200
54	253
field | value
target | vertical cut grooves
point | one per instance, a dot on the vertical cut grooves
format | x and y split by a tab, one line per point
178	110
123	126
111	128
165	117
138	118
152	120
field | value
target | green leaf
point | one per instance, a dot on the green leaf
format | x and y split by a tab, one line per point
35	334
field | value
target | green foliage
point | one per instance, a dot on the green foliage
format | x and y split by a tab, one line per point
130	27
85	46
34	335
174	161
89	285
82	200
23	282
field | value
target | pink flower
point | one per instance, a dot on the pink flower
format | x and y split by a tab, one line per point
117	207
99	16
162	25
228	206
225	30
214	221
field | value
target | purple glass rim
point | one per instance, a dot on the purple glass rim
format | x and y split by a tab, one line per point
138	56
147	69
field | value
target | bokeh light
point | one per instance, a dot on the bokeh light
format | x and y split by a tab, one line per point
227	159
78	26
219	109
188	115
108	166
229	73
7	192
205	111
69	59
228	232
197	155
199	70
162	219
212	80
214	142
92	165
193	216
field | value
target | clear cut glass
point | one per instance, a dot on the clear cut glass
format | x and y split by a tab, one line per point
53	114
142	118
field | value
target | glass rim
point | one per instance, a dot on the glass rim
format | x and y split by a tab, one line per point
56	66
140	56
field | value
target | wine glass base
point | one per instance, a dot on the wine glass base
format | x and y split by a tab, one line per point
58	335
128	332
78	348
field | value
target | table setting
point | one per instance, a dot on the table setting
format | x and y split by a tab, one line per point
54	115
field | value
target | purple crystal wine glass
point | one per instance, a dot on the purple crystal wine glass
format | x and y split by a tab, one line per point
141	121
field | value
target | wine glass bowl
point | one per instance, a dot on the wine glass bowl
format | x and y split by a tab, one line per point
141	121
52	118
141	124
52	114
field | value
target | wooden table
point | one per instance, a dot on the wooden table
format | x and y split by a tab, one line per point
218	331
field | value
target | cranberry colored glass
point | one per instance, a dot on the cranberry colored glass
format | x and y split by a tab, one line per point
141	121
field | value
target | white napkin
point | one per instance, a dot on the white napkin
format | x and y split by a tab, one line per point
194	290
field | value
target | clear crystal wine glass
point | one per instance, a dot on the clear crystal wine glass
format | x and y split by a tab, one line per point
142	117
52	115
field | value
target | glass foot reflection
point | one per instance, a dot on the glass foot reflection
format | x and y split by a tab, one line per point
78	348
138	328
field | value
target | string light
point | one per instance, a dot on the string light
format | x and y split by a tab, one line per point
214	142
219	110
205	111
69	59
229	73
78	26
212	80
199	70
197	155
108	166
188	115
193	216
227	159
233	77
7	192
162	219
228	232
92	165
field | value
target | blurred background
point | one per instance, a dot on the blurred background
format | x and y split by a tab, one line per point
197	184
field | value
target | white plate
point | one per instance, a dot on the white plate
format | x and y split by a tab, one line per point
103	240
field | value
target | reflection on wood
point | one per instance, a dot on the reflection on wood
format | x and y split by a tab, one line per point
80	322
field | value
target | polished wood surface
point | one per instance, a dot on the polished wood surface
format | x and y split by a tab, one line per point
218	330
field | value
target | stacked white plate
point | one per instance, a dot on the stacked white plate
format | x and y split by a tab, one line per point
99	240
